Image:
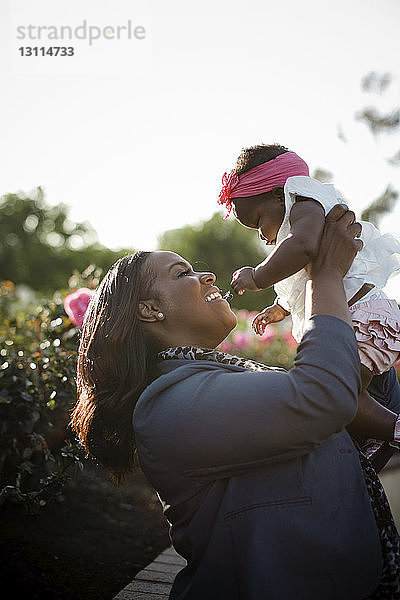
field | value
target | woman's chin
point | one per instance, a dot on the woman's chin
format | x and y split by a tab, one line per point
230	323
234	321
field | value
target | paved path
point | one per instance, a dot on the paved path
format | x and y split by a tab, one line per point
155	581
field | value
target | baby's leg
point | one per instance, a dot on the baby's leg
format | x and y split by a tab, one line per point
377	328
372	420
375	361
366	376
373	425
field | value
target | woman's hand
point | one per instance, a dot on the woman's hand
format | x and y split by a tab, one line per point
338	247
339	244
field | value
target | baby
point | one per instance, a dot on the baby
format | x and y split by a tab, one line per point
270	190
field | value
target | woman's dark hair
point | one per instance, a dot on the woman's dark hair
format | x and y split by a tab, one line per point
256	155
114	365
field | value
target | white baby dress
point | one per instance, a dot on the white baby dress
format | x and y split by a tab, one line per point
374	263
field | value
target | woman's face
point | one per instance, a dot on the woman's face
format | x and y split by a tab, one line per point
194	313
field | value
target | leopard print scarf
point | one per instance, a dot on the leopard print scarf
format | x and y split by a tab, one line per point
193	353
389	586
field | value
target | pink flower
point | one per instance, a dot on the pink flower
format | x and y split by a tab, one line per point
269	334
241	339
289	339
76	303
251	316
242	314
226	346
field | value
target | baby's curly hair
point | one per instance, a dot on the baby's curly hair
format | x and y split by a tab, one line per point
256	155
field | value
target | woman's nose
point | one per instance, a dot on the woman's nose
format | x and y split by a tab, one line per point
208	278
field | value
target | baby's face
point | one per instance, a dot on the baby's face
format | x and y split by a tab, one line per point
266	215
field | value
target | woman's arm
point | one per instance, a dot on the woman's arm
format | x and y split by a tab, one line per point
218	417
331	263
372	419
222	417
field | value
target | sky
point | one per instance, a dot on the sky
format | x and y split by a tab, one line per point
134	134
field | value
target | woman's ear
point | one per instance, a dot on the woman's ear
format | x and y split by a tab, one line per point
149	312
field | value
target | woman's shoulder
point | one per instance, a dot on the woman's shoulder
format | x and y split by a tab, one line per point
168	372
175	370
184	377
177	383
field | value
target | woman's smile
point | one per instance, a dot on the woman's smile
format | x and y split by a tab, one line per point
213	295
183	296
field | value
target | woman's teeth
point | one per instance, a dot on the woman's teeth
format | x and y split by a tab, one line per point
213	296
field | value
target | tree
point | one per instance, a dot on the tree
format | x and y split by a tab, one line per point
381	206
376	120
380	122
40	247
221	247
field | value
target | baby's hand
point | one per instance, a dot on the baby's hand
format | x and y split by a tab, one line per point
243	279
271	314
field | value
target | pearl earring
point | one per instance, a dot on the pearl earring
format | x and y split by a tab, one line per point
160	315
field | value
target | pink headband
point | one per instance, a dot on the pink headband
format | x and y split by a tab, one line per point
260	179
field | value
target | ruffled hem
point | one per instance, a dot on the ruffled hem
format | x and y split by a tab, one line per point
382	329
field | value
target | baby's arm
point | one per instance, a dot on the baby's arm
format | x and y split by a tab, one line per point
271	314
307	220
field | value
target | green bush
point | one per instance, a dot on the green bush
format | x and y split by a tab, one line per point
38	348
37	391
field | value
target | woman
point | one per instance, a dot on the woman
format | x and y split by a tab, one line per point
260	482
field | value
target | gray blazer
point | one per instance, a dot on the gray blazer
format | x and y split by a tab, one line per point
260	482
